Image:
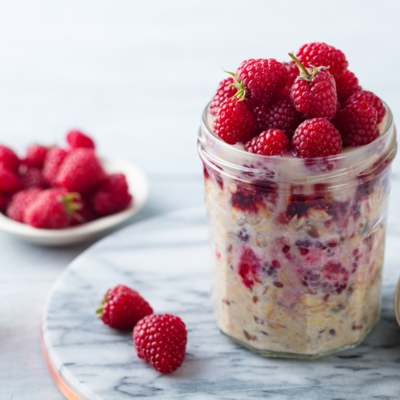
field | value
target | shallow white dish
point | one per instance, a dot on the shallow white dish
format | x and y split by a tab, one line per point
138	187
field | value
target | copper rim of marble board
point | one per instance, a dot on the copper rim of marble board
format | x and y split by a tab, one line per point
62	386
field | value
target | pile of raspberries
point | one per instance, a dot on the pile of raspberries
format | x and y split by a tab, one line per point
311	106
55	188
159	339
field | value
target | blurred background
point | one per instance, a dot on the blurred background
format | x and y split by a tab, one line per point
136	76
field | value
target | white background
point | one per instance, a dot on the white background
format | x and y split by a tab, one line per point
136	75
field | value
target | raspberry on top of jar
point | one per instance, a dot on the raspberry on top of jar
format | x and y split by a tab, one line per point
311	107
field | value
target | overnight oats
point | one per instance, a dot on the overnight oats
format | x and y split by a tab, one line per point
296	177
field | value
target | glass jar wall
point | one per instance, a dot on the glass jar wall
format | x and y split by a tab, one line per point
297	245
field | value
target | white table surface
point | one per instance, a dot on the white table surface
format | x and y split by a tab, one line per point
136	75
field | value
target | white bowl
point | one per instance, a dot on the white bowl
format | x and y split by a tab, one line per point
138	187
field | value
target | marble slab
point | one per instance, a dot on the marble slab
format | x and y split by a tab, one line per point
166	259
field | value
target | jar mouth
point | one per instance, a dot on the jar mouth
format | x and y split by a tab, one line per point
360	162
356	152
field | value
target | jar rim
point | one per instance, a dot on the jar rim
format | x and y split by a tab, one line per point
354	153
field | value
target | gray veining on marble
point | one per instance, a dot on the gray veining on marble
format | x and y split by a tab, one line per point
166	259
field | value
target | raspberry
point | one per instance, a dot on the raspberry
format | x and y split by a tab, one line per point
298	204
20	201
112	195
323	55
5	200
85	214
35	156
269	143
160	340
33	178
333	277
262	80
52	209
285	91
224	91
281	114
123	307
77	139
9	181
292	72
80	171
371	99
52	163
338	108
318	166
205	172
8	159
316	138
314	93
235	122
347	85
249	266
336	275
357	124
246	200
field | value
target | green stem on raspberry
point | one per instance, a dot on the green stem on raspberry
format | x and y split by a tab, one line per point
99	311
238	84
78	217
70	206
303	70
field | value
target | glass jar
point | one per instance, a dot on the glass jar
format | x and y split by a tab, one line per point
297	245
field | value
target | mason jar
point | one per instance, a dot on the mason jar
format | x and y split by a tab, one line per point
297	245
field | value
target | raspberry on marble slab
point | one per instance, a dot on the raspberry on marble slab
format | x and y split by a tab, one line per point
160	340
122	308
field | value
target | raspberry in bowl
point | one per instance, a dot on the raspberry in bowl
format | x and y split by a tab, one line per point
297	235
62	196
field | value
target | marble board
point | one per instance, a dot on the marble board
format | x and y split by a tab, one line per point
166	260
